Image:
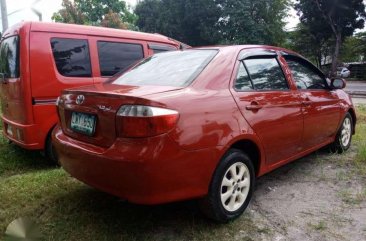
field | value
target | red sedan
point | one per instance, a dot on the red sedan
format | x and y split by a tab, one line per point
201	123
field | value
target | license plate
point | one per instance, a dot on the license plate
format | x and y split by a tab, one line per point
83	123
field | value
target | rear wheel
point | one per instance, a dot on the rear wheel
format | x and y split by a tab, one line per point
50	150
344	135
231	187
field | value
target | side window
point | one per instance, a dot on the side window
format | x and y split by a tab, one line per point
158	48
305	77
72	57
266	74
243	82
115	57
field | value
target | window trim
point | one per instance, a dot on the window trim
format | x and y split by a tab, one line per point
90	61
116	42
270	55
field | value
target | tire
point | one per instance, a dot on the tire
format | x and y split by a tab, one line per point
344	136
229	196
50	151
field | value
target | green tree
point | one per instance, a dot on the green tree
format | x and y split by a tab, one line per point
253	21
315	45
202	22
354	48
190	21
108	13
338	17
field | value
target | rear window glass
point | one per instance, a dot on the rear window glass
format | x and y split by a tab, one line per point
175	68
9	57
72	57
115	57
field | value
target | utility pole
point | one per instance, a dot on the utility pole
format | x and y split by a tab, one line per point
4	15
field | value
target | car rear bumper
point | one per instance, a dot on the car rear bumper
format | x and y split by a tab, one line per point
23	135
145	171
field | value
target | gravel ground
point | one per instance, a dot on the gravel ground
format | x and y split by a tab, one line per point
319	197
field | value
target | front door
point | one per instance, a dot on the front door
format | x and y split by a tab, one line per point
321	107
271	108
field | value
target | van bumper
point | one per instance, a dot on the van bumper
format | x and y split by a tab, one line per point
150	171
25	136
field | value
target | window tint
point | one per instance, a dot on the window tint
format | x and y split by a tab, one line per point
72	57
115	57
158	48
266	74
173	68
242	80
9	57
305	77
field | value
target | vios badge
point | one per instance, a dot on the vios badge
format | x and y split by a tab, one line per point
80	99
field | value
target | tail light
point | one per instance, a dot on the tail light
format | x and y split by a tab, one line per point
144	121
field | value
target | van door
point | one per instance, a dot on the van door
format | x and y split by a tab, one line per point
57	62
271	108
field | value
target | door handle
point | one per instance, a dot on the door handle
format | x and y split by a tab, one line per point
254	105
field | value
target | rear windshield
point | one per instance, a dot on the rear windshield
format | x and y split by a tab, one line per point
176	68
9	57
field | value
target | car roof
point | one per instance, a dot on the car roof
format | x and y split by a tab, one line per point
91	31
249	47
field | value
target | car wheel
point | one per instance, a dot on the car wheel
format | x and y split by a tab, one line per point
231	187
50	151
344	135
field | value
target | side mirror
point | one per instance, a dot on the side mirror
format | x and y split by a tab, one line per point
338	83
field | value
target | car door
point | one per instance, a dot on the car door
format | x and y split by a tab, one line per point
321	107
269	105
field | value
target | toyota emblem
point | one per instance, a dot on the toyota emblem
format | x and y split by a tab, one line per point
80	99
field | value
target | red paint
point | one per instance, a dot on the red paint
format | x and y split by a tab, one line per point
213	117
40	81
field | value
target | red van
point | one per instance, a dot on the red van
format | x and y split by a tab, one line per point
39	60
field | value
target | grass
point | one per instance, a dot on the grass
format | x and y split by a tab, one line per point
66	209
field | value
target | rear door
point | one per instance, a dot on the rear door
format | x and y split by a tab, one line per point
270	105
321	108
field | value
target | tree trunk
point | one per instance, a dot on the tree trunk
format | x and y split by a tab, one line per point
333	72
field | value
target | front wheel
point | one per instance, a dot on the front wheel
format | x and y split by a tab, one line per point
231	187
50	151
344	135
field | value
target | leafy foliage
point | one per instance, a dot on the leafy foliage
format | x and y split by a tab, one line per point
107	13
354	48
202	22
332	18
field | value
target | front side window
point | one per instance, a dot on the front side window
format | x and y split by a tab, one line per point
72	57
115	57
174	68
266	74
304	76
9	57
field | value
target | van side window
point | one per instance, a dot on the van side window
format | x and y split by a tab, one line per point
159	48
115	57
266	74
72	57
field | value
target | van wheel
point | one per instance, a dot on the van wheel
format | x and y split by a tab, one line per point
50	150
344	136
231	187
